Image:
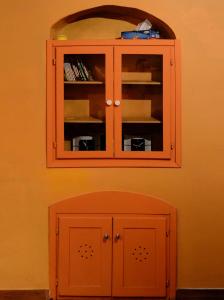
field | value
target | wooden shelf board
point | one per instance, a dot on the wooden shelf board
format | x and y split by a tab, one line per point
82	120
141	82
141	120
84	82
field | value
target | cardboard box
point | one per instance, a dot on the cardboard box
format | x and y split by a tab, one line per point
136	76
67	145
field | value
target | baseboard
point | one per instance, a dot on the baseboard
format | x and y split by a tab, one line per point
182	294
24	295
200	294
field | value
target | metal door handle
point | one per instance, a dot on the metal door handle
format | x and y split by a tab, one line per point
106	236
117	236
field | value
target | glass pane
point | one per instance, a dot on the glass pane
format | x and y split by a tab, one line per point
142	102
84	102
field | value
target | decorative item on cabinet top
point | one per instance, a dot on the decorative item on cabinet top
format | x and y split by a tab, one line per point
113	103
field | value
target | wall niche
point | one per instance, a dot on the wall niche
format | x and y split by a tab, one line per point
106	22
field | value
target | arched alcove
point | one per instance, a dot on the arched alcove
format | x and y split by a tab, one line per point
119	18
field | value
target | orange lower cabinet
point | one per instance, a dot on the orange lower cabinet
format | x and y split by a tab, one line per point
139	256
84	256
112	243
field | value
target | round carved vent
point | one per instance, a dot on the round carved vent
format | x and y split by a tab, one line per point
85	251
140	254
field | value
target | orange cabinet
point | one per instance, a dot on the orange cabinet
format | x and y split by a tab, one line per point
139	256
84	256
125	248
113	103
88	245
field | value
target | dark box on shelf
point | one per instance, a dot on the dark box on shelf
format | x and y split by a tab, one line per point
137	144
145	34
83	143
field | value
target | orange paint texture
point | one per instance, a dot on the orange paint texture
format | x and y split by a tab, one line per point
28	187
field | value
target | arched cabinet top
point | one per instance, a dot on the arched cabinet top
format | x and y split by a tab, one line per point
112	202
128	14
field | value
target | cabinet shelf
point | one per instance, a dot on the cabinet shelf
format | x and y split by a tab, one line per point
84	82
141	120
82	120
141	82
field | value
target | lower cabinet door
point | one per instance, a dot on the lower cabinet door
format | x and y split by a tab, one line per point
139	256
84	256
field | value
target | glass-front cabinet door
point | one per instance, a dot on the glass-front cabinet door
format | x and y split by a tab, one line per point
84	93
142	94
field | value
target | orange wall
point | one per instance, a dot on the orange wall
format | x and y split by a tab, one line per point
28	187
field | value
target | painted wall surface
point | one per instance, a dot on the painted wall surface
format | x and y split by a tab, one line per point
28	187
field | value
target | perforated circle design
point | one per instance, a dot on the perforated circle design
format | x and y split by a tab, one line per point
140	254
85	251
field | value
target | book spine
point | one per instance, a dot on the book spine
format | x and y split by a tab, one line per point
85	71
81	71
76	71
68	71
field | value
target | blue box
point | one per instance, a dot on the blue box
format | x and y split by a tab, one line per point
145	34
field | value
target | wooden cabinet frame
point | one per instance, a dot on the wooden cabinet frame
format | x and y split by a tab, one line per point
108	52
167	53
113	156
123	207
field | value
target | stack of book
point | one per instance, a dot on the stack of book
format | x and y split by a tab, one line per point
76	70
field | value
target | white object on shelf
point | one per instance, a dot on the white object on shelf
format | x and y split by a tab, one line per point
145	25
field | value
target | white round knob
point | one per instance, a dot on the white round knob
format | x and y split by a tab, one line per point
117	102
109	102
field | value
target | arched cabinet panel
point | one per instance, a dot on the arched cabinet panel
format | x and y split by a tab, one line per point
113	244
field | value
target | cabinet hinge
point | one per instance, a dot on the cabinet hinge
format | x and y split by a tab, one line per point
172	146
167	283
57	227
167	233
171	62
54	61
54	145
